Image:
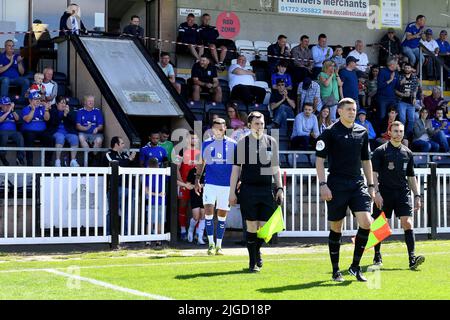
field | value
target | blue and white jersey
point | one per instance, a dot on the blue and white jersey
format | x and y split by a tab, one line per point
93	117
148	151
219	157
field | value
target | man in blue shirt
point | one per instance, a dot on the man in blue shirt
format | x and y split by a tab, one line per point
153	150
442	126
306	129
11	70
444	46
387	82
8	130
350	79
413	33
362	121
90	126
320	53
218	156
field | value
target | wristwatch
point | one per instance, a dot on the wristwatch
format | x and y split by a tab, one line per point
323	184
418	196
280	188
371	186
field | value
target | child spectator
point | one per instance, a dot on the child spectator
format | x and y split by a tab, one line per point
37	85
338	59
154	193
362	120
281	74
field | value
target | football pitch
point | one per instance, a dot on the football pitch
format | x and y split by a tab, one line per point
288	274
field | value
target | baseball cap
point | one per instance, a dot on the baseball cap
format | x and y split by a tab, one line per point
429	31
307	83
351	59
443	32
362	111
5	101
34	95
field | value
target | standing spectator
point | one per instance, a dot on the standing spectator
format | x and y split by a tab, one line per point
70	22
281	74
441	122
277	52
35	117
324	119
388	80
372	85
134	28
424	135
303	60
188	35
407	93
204	79
338	59
167	68
321	52
330	87
12	70
444	46
361	57
242	83
164	136
207	36
434	101
306	129
8	130
153	150
362	121
433	47
349	78
309	92
282	106
413	34
390	47
51	87
90	125
62	127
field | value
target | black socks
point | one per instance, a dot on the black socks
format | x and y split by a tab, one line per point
334	246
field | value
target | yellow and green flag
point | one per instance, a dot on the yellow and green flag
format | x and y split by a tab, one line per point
379	230
274	225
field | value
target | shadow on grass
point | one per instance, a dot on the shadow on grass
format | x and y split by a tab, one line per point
304	286
211	274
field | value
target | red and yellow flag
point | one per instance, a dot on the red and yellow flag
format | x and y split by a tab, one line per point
379	231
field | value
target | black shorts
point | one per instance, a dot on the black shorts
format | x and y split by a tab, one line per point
347	193
257	203
196	200
397	200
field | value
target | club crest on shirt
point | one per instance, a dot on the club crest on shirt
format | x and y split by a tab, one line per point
391	166
320	146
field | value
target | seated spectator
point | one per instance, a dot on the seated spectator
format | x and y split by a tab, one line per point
281	74
431	44
330	87
338	59
441	125
444	45
321	52
188	35
12	70
372	85
324	119
242	84
387	82
37	85
207	36
35	117
391	117
390	47
362	92
62	127
134	28
434	101
164	136
277	52
413	34
8	130
306	129
204	79
237	121
153	150
157	196
362	120
426	138
407	93
361	57
309	93
70	22
303	60
90	125
51	87
349	78
282	106
167	68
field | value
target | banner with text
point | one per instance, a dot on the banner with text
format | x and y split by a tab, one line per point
355	9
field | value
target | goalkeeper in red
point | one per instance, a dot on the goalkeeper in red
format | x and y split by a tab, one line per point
394	178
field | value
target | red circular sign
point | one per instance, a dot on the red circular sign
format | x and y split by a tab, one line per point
228	25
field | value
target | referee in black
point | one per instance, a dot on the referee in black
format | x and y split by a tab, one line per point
256	162
394	178
346	145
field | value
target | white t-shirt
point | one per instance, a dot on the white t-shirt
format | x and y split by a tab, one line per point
235	79
430	45
49	89
168	70
363	60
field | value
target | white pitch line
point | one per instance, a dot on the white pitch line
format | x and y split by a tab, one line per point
137	265
108	285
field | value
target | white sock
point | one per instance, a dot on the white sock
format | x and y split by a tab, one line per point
219	243
192	224
183	229
201	228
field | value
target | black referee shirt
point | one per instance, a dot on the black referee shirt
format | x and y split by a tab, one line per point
207	34
393	165
345	149
256	158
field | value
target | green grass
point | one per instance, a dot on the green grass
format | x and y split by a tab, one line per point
286	276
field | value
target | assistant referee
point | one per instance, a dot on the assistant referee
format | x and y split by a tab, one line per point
256	162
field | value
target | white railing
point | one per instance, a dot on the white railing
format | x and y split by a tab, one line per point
143	220
443	199
53	205
306	215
